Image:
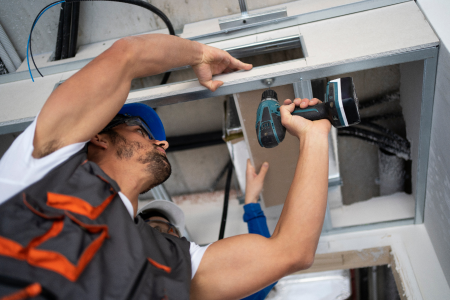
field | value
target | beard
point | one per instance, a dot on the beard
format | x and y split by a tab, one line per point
157	166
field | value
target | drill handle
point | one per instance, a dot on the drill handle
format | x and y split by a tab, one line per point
319	111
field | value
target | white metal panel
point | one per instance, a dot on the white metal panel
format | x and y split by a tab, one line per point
379	32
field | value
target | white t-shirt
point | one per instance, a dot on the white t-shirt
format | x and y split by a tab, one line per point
18	170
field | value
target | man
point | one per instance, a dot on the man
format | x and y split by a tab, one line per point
168	218
68	232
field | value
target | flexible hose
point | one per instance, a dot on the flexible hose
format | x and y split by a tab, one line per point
226	200
9	48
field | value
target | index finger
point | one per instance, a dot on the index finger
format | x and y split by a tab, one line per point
238	65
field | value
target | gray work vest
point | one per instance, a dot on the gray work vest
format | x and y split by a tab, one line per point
69	236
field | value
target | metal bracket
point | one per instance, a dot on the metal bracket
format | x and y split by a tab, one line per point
303	89
246	19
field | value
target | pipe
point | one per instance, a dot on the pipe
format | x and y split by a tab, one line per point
66	31
12	53
194	141
74	29
9	65
226	200
59	37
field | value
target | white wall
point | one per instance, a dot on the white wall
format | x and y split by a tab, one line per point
437	202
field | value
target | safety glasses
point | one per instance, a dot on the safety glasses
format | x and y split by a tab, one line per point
130	121
163	227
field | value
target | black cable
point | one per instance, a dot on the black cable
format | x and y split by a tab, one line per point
387	132
143	4
66	31
31	31
381	117
140	3
165	78
374	101
74	29
219	177
382	146
225	200
376	137
382	141
58	47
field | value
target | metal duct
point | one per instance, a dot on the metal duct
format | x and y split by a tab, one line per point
6	60
12	53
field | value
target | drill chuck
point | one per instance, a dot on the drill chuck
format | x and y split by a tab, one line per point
269	94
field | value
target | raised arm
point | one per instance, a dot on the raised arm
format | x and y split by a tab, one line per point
238	266
85	103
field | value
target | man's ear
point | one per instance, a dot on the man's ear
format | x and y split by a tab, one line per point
99	140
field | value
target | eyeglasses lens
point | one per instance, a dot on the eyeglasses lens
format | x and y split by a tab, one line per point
163	227
139	122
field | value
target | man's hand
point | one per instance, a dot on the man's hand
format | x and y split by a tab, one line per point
215	61
296	125
254	182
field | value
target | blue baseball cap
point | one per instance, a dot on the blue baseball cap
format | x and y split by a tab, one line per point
148	115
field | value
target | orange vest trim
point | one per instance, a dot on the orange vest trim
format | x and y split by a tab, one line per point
77	205
52	260
30	291
160	266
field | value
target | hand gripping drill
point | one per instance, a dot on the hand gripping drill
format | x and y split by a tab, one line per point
340	108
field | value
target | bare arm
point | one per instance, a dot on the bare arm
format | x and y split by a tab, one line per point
85	103
238	266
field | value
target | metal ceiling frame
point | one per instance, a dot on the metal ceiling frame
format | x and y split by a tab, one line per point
231	33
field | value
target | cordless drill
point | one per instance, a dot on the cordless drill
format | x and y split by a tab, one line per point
340	108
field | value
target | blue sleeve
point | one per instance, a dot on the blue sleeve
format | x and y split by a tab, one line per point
257	224
256	220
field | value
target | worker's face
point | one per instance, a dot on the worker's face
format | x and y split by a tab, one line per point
162	225
133	144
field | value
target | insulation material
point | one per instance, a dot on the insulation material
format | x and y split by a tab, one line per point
392	173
